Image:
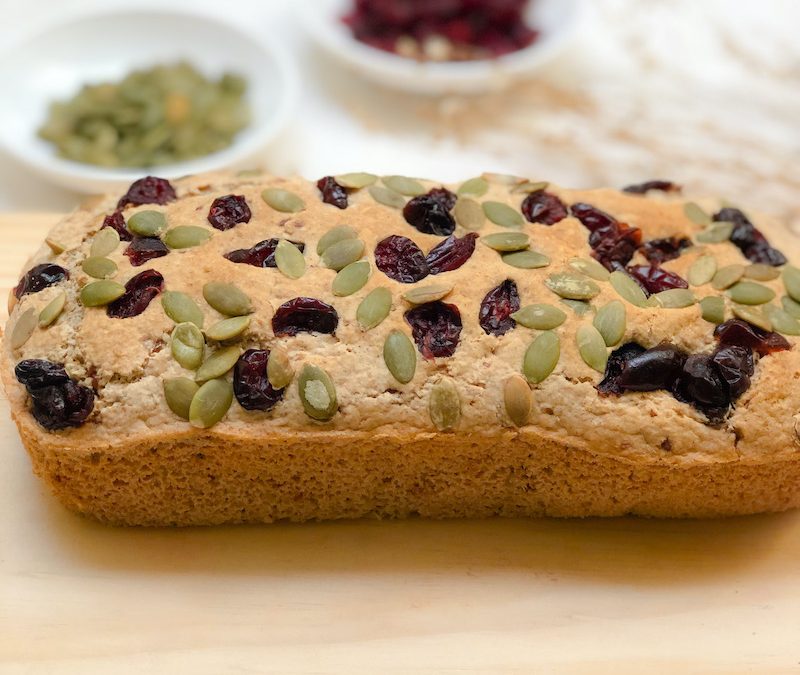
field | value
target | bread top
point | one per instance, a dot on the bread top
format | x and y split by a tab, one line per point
125	361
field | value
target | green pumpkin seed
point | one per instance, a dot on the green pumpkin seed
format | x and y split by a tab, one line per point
289	260
227	298
55	246
592	347
761	272
572	286
334	236
610	321
750	293
541	357
528	186
791	281
179	392
727	276
422	294
317	393
100	293
474	187
752	316
279	368
675	298
351	279
627	288
503	215
507	241
539	317
24	327
210	403
591	268
339	255
186	236
400	356
228	329
712	309
387	197
187	345
469	214
181	308
374	308
696	214
716	234
147	223
282	200
104	243
518	400
404	186
52	310
444	405
356	180
218	364
99	268
781	320
702	270
527	260
791	306
580	307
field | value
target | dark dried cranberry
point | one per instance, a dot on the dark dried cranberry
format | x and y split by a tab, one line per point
701	385
750	241
36	373
436	328
148	190
497	307
228	211
304	315
742	334
430	213
57	401
332	192
656	368
615	365
139	292
660	185
39	277
735	365
401	259
613	243
142	249
593	218
446	198
659	251
250	384
656	279
543	207
451	253
260	255
117	222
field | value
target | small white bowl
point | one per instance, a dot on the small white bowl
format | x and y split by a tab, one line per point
105	47
555	19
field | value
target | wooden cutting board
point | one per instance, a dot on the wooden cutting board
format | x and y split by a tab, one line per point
591	596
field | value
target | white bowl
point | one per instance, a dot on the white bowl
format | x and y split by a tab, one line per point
555	19
105	47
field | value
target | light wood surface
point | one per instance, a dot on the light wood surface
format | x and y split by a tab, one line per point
593	596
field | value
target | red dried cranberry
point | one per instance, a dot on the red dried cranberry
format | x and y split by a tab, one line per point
430	213
57	401
250	384
139	292
593	218
39	277
332	192
116	222
304	315
660	185
497	307
613	243
750	241
148	190
142	249
401	259
442	195
452	253
735	365
543	207
701	385
36	373
659	251
656	368
741	333
436	328
656	279
260	255
616	364
228	211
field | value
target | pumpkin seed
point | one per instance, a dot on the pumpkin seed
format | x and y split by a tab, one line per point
104	242
147	223
279	368
791	280
444	405
610	321
339	255
351	279
527	260
52	310
781	320
179	392
186	236
374	308
592	347
289	260
502	178
99	268
530	186
317	393
591	268
210	403
55	246
696	214
702	270
181	308
23	328
99	293
791	306
761	272
469	214
727	276
387	197
422	294
219	363
572	286
404	185
474	187
580	307
227	298
334	236
675	298
507	241
750	293
541	357
187	345
627	288
356	180
712	309
716	234
228	329
282	200
400	356
518	399
503	215
752	316
539	317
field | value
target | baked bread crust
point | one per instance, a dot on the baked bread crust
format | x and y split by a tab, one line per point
135	462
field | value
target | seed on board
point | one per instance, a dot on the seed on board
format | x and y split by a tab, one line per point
334	236
404	185
52	310
696	214
181	308
187	345
469	214
186	236
528	260
104	242
147	223
507	241
387	197
400	356
752	315
791	281
55	246
99	268
712	309
529	186
592	347
282	200
541	357
727	276
591	268
179	392
781	320
761	272
342	253
227	298
23	328
317	393
716	234
219	363
539	316
627	288
228	329
100	293
210	403
791	306
474	187
518	399
702	270
750	293
572	286
351	279
674	298
502	214
289	260
374	308
422	294
580	307
355	180
279	368
444	405
610	322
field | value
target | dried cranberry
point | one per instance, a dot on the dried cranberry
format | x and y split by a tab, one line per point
613	243
497	307
659	251
701	385
36	373
741	333
401	259
543	207
751	242
304	315
142	249
148	190
139	292
660	185
117	222
452	253
593	218
260	255
57	401
436	328
735	365
332	192
655	279
430	213
39	277
616	364
250	384
656	368
228	211
446	198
